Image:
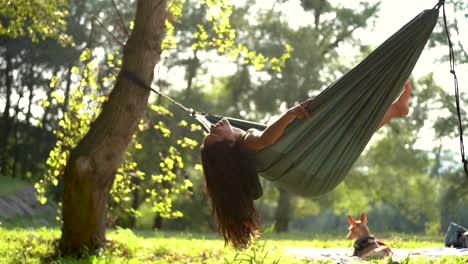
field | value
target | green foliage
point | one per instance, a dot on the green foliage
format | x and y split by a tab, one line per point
37	19
161	197
160	155
174	8
222	37
75	123
457	15
161	185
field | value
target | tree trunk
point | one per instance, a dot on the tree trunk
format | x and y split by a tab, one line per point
15	148
283	211
31	92
91	169
157	222
27	163
48	108
193	64
135	202
6	122
448	208
67	91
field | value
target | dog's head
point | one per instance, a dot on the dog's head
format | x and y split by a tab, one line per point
357	228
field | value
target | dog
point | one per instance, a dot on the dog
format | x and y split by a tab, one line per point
365	245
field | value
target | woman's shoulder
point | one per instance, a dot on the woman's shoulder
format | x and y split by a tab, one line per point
250	131
248	138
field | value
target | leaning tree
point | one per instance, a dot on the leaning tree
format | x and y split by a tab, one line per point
93	163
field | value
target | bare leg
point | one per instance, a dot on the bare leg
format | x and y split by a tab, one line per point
400	107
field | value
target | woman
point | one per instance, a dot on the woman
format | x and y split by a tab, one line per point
229	171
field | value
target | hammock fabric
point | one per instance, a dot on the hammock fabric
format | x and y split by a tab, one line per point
313	156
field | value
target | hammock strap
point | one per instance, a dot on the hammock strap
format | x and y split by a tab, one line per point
135	78
204	119
455	81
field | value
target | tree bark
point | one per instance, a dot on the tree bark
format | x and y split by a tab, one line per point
283	211
16	145
67	91
6	122
27	164
193	64
48	108
135	202
157	222
91	169
448	208
31	92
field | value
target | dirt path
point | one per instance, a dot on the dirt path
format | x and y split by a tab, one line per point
21	204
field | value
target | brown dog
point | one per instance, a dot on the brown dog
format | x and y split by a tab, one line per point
365	245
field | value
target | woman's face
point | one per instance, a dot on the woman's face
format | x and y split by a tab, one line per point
220	131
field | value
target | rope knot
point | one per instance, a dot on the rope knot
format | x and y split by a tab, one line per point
452	71
439	4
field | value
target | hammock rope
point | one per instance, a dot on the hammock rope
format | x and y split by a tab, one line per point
455	83
135	78
202	118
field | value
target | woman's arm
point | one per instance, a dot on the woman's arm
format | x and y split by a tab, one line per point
256	140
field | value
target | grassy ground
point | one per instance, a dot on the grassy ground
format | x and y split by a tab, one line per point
125	246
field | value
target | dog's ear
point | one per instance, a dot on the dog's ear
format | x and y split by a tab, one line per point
351	220
363	218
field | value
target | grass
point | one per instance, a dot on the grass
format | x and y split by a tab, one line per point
125	246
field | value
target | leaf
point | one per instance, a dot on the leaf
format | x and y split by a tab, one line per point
42	200
75	69
53	81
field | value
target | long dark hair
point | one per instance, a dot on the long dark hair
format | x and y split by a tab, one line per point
228	174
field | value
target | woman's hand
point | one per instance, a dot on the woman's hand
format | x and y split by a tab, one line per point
300	111
256	140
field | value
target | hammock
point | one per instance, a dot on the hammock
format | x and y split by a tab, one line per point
313	156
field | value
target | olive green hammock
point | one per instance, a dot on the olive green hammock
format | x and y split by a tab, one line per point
313	156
